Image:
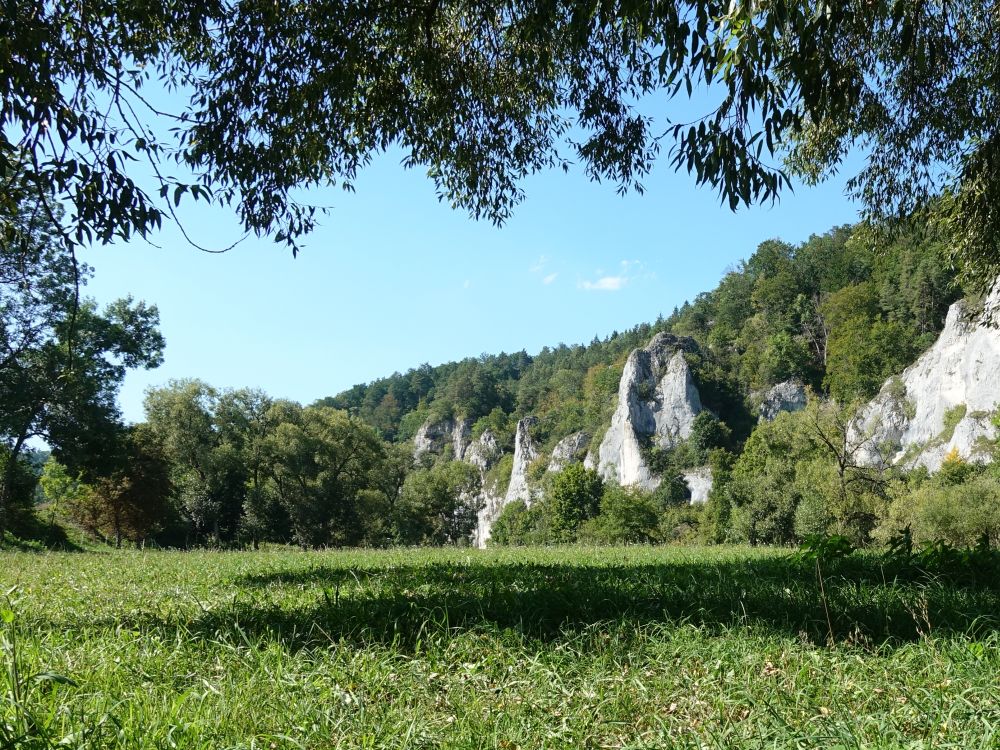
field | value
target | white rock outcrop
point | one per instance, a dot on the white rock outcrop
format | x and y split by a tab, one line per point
524	454
699	482
943	401
517	488
461	437
484	452
657	403
787	396
568	450
433	436
429	439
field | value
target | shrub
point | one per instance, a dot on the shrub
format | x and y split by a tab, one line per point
518	525
574	495
627	516
684	524
952	417
958	514
707	433
498	478
537	468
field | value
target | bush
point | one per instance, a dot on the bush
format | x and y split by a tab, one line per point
518	525
627	516
502	425
814	483
672	492
684	524
537	468
498	478
574	495
707	433
959	514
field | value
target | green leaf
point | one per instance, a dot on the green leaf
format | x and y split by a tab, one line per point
59	679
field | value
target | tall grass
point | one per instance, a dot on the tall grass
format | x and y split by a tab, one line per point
574	647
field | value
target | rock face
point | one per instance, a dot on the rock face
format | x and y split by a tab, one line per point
483	453
568	450
699	482
461	436
433	436
524	454
787	396
942	402
517	488
657	403
429	438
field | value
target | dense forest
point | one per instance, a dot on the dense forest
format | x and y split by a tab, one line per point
236	467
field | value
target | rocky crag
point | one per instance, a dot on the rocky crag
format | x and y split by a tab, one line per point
658	401
787	396
517	487
699	483
432	437
568	450
942	403
657	404
484	454
454	436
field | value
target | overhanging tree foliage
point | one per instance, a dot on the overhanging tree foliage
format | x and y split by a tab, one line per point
286	95
62	359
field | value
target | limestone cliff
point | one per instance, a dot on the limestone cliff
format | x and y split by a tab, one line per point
433	436
699	482
484	454
517	487
524	454
941	402
787	396
568	450
657	404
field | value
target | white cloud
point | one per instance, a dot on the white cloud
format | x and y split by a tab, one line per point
550	278
605	284
630	270
466	284
539	265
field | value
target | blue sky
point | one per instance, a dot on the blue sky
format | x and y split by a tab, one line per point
393	278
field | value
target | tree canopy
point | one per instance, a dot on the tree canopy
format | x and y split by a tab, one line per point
62	359
281	96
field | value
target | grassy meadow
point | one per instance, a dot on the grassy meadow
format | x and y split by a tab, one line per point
539	648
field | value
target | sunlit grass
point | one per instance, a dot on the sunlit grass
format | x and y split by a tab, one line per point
637	647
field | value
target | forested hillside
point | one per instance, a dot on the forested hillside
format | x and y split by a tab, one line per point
831	312
830	319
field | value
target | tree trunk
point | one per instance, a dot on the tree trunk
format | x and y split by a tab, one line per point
8	479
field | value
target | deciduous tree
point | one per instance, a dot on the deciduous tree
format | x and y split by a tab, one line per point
285	96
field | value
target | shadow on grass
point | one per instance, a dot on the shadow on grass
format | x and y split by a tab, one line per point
868	603
34	534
